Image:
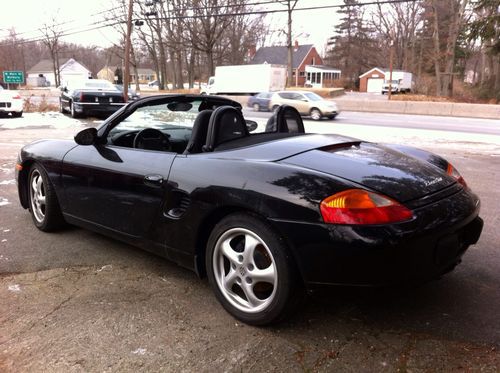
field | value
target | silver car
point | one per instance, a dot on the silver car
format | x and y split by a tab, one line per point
307	103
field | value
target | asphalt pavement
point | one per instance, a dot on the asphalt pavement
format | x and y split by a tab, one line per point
78	301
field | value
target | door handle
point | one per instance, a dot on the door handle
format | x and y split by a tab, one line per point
153	180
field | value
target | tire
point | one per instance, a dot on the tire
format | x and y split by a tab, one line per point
332	117
275	108
17	114
73	113
315	114
43	203
241	249
256	107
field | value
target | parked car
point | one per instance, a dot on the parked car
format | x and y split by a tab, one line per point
11	103
260	102
154	83
307	103
264	215
132	93
90	97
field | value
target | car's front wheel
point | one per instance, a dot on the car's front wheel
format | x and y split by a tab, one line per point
251	270
72	110
316	114
44	206
17	114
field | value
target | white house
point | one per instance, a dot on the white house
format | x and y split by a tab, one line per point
42	74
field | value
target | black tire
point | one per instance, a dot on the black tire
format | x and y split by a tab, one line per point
17	114
315	114
275	108
332	117
72	110
47	216
280	298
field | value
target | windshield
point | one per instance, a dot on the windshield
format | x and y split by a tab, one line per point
92	84
392	81
313	96
172	115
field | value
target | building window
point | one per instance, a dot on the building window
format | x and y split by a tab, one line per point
302	74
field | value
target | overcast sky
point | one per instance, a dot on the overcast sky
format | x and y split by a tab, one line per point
27	16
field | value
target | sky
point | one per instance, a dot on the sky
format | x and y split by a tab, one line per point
28	16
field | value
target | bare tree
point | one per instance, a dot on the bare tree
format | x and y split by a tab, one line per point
51	35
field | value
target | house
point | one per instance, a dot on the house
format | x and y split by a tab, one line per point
307	65
42	74
372	80
146	75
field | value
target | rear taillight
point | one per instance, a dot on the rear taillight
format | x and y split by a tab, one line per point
16	97
452	171
358	206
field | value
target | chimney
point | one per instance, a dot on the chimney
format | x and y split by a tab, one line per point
252	49
296	46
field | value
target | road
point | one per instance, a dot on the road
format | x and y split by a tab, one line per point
421	122
78	301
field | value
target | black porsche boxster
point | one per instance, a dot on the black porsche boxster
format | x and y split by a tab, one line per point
265	211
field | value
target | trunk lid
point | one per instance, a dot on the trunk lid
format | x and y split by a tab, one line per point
376	167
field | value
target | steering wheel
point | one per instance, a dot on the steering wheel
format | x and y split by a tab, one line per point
151	139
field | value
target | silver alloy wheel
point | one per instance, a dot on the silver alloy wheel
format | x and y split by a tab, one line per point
256	107
245	270
37	196
315	114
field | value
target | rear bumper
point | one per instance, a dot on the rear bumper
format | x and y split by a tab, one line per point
11	106
427	246
88	108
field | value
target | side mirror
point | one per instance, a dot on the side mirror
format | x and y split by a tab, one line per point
251	125
88	136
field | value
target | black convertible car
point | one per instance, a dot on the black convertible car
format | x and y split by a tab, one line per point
265	211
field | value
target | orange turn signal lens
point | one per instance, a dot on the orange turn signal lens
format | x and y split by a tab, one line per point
19	167
358	206
453	172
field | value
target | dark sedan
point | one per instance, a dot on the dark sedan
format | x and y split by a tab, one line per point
264	212
90	97
260	102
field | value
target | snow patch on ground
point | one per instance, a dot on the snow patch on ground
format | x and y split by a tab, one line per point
7	182
14	288
4	201
33	120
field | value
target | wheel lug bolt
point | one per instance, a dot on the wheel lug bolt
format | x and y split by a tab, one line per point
250	267
238	280
249	280
233	266
240	258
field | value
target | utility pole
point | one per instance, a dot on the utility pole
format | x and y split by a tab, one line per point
391	57
126	78
289	40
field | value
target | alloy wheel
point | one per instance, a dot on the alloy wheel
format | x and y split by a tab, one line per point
37	196
245	270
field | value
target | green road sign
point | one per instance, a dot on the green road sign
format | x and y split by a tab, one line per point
14	77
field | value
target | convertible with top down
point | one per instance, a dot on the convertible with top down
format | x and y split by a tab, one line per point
265	211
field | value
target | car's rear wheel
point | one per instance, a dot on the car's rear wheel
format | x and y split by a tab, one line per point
251	270
17	114
332	116
316	114
44	206
256	107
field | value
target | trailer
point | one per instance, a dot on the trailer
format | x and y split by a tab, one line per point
246	79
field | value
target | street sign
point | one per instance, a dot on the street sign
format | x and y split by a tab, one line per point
13	77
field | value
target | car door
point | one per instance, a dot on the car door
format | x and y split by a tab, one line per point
119	188
301	103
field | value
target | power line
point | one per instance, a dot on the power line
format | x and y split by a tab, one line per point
101	24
